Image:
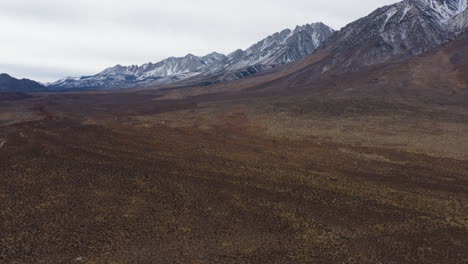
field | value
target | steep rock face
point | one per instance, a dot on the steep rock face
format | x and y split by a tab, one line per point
441	10
279	48
10	84
283	47
459	23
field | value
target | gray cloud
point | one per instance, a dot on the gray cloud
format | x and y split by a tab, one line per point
50	39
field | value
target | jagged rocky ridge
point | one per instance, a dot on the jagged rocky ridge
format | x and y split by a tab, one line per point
279	48
283	47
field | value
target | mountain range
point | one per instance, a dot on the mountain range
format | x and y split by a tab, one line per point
280	48
394	32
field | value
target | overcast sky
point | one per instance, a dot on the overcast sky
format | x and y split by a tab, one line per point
46	40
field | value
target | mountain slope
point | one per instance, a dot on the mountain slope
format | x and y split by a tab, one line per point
404	29
279	48
10	84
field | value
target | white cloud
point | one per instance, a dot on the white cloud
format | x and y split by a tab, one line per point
46	39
